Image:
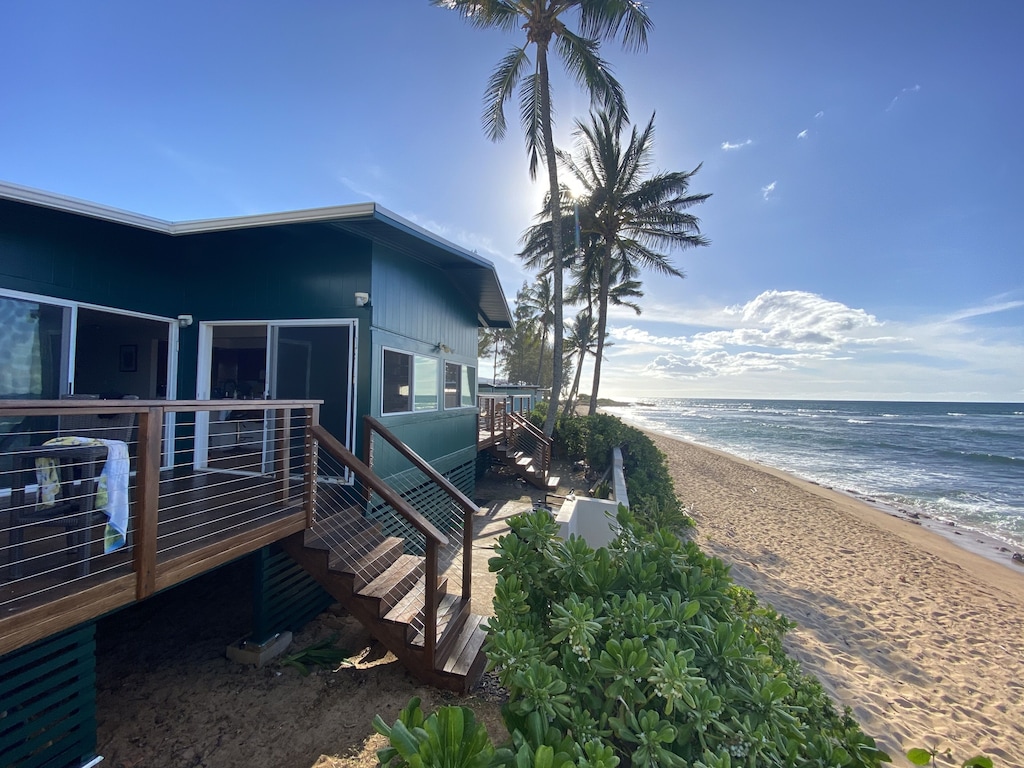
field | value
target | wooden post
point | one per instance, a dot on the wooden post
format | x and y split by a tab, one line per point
467	554
367	455
309	470
147	501
430	609
282	461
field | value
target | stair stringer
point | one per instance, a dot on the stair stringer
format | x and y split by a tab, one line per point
459	659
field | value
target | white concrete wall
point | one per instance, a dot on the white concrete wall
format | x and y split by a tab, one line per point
591	519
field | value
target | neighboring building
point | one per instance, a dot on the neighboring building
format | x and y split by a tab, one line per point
518	398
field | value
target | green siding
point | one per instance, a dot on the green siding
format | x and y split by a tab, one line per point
48	702
285	597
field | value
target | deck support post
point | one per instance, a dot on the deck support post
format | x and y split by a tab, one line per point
147	501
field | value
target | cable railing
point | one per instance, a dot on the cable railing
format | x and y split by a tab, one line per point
433	494
371	529
103	502
526	438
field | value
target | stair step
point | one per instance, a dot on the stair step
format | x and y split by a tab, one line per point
366	560
553	481
342	525
524	461
410	609
392	585
465	655
449	609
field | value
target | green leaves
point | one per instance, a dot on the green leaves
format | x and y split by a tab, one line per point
319	654
920	756
449	738
640	654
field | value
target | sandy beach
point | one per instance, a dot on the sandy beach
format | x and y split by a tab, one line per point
923	639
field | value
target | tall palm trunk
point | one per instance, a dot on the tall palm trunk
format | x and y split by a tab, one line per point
556	237
575	383
602	321
540	362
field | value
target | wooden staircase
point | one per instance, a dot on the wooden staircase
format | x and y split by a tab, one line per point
368	573
525	466
526	450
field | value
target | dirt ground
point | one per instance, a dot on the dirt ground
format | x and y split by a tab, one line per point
168	696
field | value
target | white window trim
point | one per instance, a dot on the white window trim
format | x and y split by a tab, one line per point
412	388
473	394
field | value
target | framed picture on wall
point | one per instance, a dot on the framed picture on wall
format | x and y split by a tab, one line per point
128	359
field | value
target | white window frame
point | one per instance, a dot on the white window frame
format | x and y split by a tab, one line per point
466	399
412	383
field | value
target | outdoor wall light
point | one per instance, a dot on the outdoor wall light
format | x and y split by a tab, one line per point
439	347
362	299
184	321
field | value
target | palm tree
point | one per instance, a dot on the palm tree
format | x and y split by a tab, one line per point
582	340
630	213
537	302
543	22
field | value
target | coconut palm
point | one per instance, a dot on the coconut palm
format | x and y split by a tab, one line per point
537	303
582	340
544	22
631	214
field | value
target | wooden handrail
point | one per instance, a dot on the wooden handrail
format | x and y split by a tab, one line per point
465	503
382	489
529	426
421	464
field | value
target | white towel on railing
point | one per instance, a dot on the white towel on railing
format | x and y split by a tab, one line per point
111	486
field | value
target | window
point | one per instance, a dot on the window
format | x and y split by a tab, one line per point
459	385
409	383
425	384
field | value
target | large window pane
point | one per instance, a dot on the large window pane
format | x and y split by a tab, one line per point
396	396
468	386
32	358
425	398
452	385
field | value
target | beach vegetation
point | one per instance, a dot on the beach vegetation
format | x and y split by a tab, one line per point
652	494
630	217
547	31
645	653
920	756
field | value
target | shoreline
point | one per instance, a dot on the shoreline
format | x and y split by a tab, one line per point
987	545
920	636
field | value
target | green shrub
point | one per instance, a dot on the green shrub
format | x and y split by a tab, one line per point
651	493
648	651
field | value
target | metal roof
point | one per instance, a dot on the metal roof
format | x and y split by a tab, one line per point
474	277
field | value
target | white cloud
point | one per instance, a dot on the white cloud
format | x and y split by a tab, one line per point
802	134
766	191
727	146
901	94
796	343
819	114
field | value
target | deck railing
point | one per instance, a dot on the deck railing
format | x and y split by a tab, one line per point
196	483
526	438
343	515
491	422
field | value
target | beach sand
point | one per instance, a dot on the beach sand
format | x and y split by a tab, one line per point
922	639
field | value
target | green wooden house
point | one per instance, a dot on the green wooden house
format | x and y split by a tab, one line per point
319	364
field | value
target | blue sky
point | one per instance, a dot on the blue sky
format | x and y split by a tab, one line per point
865	161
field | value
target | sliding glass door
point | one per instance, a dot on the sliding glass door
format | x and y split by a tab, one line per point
280	360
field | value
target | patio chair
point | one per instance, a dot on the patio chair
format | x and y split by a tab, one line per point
78	468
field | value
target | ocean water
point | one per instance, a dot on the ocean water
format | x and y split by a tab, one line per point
956	462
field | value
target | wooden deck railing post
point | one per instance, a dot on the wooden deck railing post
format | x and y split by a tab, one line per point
281	454
430	609
310	463
147	501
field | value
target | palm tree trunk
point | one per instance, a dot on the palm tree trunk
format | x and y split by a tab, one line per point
575	383
556	238
602	321
540	362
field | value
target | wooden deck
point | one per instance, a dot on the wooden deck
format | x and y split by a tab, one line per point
205	520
